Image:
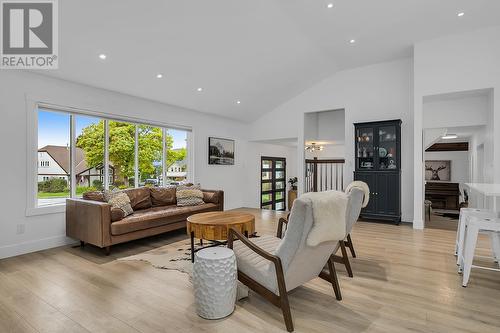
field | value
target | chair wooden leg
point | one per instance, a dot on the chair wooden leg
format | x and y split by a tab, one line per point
283	296
348	243
280	300
345	259
287	315
334	280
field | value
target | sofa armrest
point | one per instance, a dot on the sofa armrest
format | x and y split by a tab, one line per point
215	197
89	221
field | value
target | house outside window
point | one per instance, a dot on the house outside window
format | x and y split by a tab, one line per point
135	154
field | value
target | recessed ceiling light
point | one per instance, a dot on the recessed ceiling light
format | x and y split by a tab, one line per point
330	5
352	41
102	56
199	89
449	136
159	76
460	14
238	102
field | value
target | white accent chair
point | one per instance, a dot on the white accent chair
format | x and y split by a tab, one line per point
473	227
465	216
272	266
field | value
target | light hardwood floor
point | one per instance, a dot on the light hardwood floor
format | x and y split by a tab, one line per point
404	281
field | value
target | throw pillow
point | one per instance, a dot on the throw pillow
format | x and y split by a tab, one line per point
140	197
210	196
117	214
119	199
189	195
163	196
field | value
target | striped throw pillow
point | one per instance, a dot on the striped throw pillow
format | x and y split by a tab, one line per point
189	195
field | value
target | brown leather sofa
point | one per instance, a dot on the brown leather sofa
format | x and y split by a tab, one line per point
91	219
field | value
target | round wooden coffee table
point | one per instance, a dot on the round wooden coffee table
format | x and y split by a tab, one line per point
214	226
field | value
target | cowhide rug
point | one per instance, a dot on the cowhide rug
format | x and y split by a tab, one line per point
176	256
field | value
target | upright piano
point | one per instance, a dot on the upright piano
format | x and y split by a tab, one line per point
443	195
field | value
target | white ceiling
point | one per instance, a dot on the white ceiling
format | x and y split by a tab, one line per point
261	52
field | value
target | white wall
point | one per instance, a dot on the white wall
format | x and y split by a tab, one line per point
330	125
460	172
455	112
377	92
45	231
311	126
466	62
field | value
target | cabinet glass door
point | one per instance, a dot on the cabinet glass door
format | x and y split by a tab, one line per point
365	148
387	148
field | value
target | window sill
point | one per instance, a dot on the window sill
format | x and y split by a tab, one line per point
55	209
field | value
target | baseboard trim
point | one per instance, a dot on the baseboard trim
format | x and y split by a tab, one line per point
418	224
33	246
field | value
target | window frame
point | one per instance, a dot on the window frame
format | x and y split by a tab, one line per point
32	107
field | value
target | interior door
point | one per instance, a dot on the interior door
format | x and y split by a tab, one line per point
273	183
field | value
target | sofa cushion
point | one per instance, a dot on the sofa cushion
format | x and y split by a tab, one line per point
157	216
210	196
189	195
94	196
162	196
140	198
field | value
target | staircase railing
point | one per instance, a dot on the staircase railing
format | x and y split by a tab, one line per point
324	175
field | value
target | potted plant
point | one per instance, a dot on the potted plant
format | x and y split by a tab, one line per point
293	183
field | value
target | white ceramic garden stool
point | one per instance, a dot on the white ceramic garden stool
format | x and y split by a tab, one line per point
465	214
473	227
214	280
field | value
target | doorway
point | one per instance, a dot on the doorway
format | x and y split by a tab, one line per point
272	183
455	134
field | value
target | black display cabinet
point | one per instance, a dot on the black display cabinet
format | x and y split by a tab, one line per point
378	163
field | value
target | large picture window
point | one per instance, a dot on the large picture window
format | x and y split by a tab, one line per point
122	153
89	154
74	150
150	155
53	176
176	145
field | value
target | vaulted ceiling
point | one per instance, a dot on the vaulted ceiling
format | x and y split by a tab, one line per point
258	52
